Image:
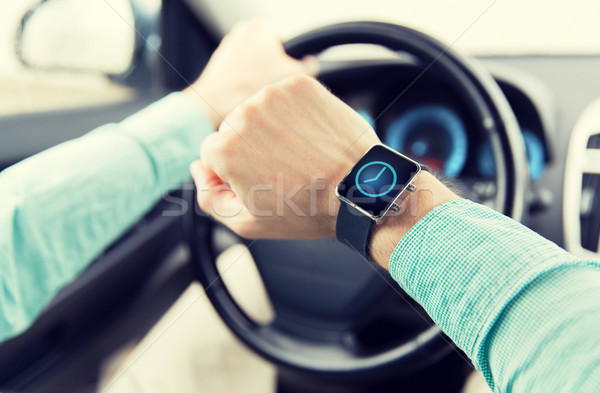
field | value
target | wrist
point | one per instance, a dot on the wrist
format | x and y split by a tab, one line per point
210	101
387	233
343	165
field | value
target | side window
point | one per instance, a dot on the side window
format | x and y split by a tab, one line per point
59	54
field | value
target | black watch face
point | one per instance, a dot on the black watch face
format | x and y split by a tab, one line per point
377	179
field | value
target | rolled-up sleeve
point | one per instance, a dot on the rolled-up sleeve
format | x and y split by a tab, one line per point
518	305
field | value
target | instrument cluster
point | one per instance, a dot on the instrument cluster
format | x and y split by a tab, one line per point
437	136
427	121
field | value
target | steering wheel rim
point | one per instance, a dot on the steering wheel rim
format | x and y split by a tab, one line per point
496	120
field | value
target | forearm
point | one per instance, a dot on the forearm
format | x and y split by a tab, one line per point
64	206
67	204
476	272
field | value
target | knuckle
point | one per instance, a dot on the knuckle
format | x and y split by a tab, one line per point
268	96
300	82
249	112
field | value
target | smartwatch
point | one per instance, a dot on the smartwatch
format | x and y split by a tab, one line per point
376	184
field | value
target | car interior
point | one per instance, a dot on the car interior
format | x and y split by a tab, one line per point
516	131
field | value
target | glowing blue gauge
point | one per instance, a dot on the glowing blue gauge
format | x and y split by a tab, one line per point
536	154
536	157
432	134
367	116
485	160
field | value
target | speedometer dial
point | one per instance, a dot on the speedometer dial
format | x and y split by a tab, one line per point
432	134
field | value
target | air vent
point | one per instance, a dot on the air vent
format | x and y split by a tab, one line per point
581	201
590	211
594	141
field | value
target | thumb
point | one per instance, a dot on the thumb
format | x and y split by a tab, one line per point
215	197
310	65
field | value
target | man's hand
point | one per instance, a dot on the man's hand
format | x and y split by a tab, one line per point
272	169
249	58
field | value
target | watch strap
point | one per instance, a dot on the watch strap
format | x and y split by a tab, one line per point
353	229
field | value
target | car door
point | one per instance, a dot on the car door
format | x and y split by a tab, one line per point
49	94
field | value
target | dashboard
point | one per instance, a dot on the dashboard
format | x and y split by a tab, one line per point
421	116
548	95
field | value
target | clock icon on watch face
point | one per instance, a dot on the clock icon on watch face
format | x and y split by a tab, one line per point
376	178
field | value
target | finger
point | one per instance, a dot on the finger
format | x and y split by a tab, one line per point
211	153
204	177
215	197
311	65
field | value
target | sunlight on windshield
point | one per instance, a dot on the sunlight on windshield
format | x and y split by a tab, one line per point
482	27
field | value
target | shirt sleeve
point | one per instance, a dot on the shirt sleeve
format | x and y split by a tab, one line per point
524	310
62	207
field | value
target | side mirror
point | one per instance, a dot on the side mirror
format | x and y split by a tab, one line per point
106	37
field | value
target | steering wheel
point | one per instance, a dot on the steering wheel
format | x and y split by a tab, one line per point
320	290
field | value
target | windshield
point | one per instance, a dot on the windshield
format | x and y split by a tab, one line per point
481	27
